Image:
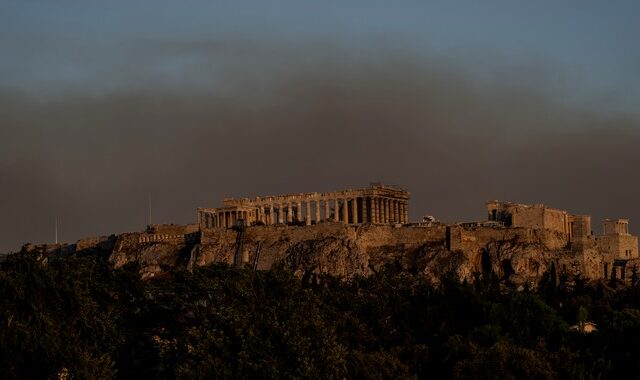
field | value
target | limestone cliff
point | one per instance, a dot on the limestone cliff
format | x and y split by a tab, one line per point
517	255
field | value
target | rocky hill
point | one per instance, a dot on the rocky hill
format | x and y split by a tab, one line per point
516	255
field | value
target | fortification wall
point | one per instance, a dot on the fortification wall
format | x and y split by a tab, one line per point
350	250
154	256
172	229
555	220
531	217
520	254
473	239
618	246
336	248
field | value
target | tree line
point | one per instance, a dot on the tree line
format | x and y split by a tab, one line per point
77	317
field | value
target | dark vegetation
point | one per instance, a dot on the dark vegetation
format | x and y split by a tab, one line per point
78	317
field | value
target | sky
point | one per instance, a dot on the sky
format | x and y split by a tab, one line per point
107	105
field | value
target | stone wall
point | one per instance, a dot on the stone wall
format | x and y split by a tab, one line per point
531	217
519	255
528	216
172	229
618	246
555	220
351	250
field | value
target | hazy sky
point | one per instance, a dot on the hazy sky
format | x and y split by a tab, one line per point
105	104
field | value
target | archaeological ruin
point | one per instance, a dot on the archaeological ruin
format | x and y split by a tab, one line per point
358	231
616	246
378	204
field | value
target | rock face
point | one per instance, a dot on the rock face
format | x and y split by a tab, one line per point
517	255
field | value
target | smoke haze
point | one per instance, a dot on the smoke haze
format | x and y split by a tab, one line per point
243	118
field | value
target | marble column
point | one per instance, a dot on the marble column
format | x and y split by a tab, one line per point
354	208
396	212
391	212
289	213
317	211
345	211
280	214
374	210
405	208
336	210
299	212
327	211
386	210
308	213
365	216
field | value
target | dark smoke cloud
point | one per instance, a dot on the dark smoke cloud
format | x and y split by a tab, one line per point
247	119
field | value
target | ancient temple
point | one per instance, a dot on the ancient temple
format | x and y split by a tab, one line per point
378	203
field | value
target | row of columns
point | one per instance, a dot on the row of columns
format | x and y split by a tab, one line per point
348	210
227	219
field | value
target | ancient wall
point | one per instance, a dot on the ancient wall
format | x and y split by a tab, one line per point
528	216
555	220
334	248
351	250
172	229
580	232
478	237
97	242
618	246
521	255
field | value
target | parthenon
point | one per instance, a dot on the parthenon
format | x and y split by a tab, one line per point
378	204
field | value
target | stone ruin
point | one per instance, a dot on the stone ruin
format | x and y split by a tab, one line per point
357	232
378	203
618	248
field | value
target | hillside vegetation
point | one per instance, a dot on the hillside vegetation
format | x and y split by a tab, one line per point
78	317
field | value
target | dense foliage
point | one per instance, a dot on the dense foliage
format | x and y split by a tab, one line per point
78	317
